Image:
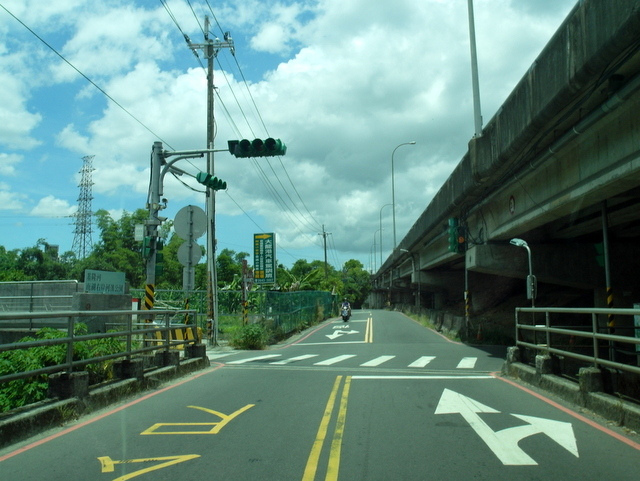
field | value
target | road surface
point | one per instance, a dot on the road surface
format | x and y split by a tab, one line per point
376	398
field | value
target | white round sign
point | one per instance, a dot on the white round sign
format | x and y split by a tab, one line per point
190	219
189	254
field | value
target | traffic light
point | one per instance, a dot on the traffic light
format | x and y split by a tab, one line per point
257	147
461	246
457	240
453	234
274	147
210	181
159	257
146	246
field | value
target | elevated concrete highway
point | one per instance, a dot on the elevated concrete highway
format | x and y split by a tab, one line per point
558	166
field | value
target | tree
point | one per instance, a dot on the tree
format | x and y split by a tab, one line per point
117	249
229	266
41	262
357	282
9	266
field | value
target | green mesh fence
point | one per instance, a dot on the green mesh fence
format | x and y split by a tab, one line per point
281	313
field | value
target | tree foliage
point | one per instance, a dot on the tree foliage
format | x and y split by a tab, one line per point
117	250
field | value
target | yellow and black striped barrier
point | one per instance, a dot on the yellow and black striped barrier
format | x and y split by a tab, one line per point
182	333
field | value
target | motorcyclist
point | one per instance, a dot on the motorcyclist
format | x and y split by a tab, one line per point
346	305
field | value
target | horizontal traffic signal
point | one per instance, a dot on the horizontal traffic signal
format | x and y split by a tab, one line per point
210	181
257	147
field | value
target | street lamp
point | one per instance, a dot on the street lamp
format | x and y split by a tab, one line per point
531	279
381	232
415	276
393	191
374	247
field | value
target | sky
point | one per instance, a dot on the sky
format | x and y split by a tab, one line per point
342	83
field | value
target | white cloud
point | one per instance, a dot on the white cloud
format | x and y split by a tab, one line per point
8	163
16	121
49	206
354	80
10	201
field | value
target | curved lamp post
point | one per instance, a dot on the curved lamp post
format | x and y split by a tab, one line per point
393	191
531	279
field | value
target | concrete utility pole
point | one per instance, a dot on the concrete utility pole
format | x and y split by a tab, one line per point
324	238
211	49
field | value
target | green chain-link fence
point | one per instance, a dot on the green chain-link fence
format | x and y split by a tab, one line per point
280	313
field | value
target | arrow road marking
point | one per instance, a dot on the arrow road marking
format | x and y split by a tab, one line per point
336	334
504	443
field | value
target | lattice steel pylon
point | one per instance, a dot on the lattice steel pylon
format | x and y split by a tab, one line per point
82	243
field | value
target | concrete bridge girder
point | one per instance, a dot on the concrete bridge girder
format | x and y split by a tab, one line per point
572	265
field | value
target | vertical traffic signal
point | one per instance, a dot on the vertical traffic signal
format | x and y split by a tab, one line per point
159	257
456	236
453	234
257	147
210	181
461	246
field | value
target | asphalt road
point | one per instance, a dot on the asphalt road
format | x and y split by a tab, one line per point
377	398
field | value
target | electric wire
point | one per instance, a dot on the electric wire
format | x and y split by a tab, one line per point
280	248
257	110
118	104
299	220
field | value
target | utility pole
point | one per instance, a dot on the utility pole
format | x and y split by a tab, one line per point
151	243
477	115
211	49
324	239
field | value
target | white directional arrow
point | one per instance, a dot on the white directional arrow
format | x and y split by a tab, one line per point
336	334
504	443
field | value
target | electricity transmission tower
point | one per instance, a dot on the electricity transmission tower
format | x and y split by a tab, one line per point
82	243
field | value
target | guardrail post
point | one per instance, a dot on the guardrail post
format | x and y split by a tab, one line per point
590	380
594	331
546	320
167	357
70	344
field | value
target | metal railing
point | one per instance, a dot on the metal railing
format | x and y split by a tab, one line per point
132	332
583	342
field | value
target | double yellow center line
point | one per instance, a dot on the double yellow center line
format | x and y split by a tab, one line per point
368	334
336	444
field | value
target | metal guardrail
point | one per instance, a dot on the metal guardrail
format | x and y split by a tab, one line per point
131	330
613	342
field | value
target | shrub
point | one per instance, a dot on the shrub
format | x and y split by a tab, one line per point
252	336
21	392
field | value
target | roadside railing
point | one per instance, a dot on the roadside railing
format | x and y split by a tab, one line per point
585	341
139	337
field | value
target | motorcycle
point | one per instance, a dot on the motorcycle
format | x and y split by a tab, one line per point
345	314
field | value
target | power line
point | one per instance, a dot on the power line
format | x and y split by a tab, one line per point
288	208
85	76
